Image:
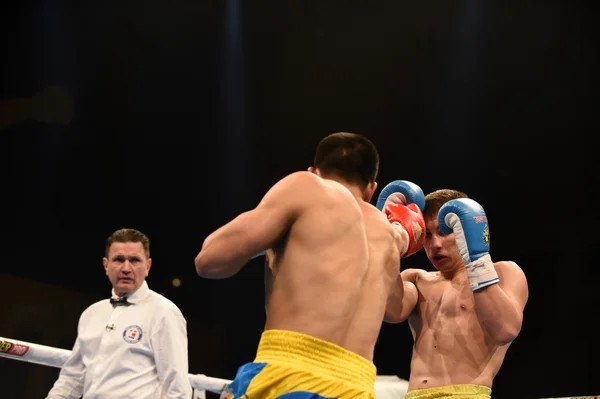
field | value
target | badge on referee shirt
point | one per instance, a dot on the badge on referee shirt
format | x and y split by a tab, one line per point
132	334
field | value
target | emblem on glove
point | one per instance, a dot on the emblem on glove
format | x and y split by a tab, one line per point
417	231
486	234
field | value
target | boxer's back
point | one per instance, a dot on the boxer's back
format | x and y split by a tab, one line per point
384	265
319	267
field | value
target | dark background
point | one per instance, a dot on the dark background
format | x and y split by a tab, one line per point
173	117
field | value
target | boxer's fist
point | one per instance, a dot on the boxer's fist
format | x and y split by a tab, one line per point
402	202
410	219
468	221
401	192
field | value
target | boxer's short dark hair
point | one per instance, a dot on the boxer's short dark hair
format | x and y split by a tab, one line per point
349	156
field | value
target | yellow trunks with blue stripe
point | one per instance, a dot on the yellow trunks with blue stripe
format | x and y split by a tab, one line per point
291	365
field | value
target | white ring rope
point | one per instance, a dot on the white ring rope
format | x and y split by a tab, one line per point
386	387
55	357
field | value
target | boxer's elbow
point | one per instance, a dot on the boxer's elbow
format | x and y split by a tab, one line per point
394	311
207	262
504	337
401	301
507	334
203	266
512	333
393	318
396	315
212	267
209	268
212	271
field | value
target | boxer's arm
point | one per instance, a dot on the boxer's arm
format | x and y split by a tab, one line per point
500	306
228	249
403	298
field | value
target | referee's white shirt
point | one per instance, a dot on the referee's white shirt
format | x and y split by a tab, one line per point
128	351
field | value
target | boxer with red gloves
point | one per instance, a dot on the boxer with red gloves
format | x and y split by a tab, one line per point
327	244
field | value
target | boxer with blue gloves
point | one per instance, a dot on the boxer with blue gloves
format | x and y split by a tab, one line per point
467	312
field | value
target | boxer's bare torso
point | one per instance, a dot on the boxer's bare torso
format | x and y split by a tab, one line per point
450	346
330	275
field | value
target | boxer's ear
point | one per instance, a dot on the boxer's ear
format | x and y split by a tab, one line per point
369	191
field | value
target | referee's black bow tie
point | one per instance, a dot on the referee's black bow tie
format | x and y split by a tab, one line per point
119	301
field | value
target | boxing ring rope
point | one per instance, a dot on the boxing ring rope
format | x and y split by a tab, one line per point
55	357
386	387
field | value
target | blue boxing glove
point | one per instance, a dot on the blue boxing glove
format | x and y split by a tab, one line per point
401	192
402	202
467	219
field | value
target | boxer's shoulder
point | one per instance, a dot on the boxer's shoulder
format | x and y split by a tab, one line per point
507	265
374	215
302	184
511	273
415	275
293	191
302	178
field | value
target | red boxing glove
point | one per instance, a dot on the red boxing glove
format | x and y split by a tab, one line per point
411	219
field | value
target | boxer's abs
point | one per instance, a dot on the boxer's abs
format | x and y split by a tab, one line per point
450	345
436	367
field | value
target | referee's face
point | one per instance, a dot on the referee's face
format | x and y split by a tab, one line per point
126	266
